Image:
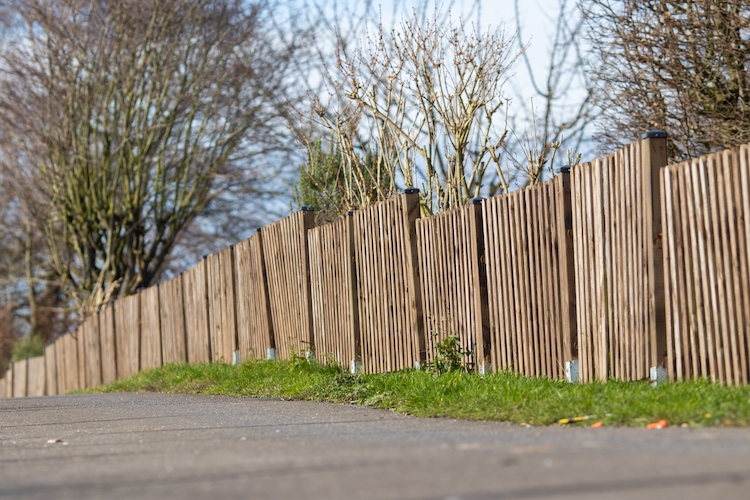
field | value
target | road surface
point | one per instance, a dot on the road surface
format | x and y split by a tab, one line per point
177	446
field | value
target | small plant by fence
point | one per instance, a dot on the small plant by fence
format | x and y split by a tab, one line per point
620	268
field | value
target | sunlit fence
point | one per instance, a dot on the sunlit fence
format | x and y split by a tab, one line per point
623	268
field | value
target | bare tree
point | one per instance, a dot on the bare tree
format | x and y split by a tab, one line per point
424	102
125	121
678	66
559	112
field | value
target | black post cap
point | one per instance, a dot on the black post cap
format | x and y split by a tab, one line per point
307	208
258	230
350	213
655	134
476	201
204	257
411	190
231	247
564	169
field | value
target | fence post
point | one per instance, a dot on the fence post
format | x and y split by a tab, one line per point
564	213
653	159
482	334
410	200
356	363
307	223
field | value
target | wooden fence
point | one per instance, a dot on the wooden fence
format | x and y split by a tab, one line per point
285	251
450	247
706	215
530	279
619	280
334	293
577	270
390	315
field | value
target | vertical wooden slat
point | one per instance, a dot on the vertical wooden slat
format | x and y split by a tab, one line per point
36	376
151	353
196	314
20	379
172	321
50	369
221	305
108	343
128	335
70	362
81	357
92	349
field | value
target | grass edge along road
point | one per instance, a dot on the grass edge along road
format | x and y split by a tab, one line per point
500	396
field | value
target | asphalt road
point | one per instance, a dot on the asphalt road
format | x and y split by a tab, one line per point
174	446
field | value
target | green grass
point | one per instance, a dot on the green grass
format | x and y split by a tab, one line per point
500	396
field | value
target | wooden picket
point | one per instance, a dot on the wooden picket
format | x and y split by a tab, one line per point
70	363
285	250
37	379
62	381
9	382
196	313
450	249
528	279
128	335
172	319
81	356
19	378
108	348
334	299
50	369
254	327
390	308
620	317
150	348
705	207
221	305
92	352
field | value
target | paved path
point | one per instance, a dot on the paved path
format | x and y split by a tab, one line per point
173	446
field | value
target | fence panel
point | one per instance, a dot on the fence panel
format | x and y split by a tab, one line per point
150	328
221	305
449	247
127	335
335	320
107	342
529	283
196	313
172	314
390	307
705	207
285	250
19	378
620	317
89	332
254	331
36	377
50	368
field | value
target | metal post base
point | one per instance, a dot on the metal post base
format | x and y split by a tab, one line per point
658	376
571	371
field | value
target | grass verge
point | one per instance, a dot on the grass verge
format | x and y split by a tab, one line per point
500	396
